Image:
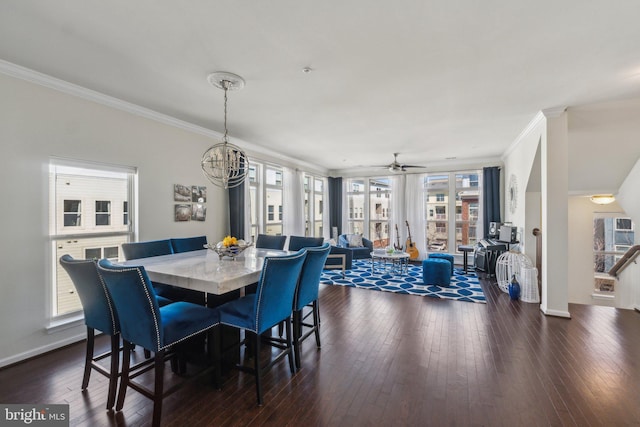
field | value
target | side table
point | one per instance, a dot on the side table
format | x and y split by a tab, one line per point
465	249
396	263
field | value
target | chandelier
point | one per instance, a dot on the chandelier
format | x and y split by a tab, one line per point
224	164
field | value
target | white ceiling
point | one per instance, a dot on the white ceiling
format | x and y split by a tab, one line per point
430	80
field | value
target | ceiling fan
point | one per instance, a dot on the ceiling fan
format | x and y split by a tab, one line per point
395	166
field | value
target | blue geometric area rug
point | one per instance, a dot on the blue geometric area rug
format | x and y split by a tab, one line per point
464	287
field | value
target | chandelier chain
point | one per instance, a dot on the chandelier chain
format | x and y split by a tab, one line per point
225	85
225	164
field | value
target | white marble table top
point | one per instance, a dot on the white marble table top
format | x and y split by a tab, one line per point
204	271
394	255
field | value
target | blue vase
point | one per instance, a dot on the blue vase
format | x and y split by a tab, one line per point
514	288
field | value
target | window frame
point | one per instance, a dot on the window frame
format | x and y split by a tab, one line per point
60	235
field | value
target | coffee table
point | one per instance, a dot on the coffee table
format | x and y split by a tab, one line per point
396	263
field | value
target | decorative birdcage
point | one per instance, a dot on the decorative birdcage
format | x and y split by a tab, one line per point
509	264
529	285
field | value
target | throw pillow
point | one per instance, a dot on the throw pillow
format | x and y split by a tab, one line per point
355	240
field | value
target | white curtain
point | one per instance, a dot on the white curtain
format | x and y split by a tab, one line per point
398	210
415	211
293	206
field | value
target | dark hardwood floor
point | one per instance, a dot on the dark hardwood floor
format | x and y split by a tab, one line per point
391	360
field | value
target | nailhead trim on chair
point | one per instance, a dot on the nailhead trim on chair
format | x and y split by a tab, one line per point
155	319
108	297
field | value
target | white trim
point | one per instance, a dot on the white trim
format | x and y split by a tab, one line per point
532	124
554	112
556	313
65	322
41	350
50	82
602	297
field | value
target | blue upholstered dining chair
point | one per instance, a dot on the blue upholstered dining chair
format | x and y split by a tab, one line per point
99	314
266	241
298	242
165	293
157	329
188	244
307	295
136	250
271	304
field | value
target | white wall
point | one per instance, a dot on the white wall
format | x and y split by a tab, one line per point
603	145
519	160
628	198
37	122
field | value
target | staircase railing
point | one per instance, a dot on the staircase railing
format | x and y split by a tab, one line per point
625	260
538	233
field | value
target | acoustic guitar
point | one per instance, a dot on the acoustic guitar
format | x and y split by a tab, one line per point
411	246
397	246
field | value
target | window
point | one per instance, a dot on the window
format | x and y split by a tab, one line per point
265	187
111	252
103	212
624	224
98	189
313	199
355	201
369	206
449	192
467	207
612	237
92	253
72	213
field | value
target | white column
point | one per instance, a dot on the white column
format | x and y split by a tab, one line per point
555	217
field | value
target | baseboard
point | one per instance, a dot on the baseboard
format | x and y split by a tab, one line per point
636	307
41	350
555	313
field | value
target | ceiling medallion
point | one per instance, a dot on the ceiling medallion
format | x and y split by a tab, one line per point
224	164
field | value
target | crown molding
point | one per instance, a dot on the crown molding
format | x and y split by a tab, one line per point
526	131
32	76
552	113
63	86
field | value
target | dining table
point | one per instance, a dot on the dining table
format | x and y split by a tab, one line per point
204	270
220	279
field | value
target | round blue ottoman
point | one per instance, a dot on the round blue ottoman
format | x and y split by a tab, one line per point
436	271
448	257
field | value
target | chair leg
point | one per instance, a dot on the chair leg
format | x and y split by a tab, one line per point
280	329
88	358
113	373
158	388
214	351
289	349
124	376
316	321
256	363
297	333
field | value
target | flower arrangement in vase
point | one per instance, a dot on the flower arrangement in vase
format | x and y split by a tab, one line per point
230	247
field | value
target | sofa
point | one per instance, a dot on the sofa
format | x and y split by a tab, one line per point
336	262
357	252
